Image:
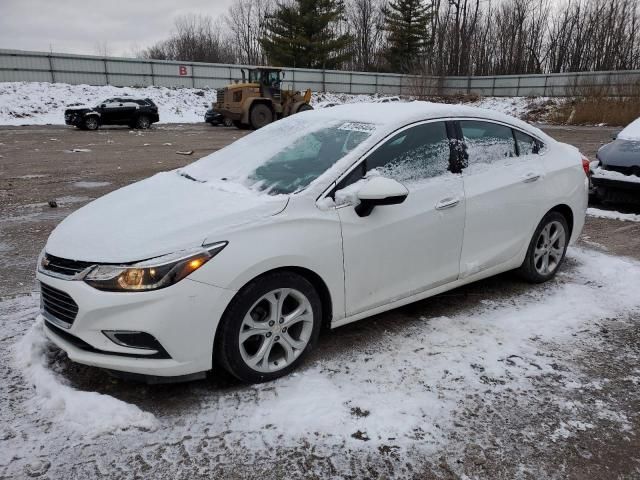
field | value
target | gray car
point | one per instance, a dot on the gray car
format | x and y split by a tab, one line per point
617	175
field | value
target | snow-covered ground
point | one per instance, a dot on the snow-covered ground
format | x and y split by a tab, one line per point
614	215
392	402
41	103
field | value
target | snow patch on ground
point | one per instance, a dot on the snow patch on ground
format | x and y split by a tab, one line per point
90	184
88	412
614	215
404	391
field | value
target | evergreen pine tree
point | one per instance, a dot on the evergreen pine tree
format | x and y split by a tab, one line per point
406	23
302	34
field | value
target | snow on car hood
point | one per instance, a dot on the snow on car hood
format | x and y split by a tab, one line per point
159	215
631	131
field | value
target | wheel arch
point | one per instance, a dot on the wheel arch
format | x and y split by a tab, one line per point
312	277
564	210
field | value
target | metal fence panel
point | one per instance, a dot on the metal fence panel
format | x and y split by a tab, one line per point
16	65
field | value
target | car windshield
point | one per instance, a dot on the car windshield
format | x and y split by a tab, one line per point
283	157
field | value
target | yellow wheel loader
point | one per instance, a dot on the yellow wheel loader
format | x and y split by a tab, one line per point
258	99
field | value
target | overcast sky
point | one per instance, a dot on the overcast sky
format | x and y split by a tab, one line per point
78	26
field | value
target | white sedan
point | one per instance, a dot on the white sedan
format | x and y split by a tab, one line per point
323	218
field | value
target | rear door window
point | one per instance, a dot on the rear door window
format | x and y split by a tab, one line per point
487	142
527	145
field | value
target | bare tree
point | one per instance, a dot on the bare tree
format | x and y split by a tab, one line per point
102	49
195	38
246	23
365	21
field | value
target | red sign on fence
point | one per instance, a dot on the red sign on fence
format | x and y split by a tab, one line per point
182	70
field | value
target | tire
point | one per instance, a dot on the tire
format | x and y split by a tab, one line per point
545	255
304	108
259	311
143	122
91	123
260	116
227	122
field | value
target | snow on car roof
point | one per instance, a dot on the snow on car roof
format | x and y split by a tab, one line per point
631	132
393	115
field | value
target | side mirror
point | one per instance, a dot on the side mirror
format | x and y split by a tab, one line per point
380	191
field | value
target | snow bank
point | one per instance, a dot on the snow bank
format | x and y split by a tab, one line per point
624	217
41	103
517	107
89	412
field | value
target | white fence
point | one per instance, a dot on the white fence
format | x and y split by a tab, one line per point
18	66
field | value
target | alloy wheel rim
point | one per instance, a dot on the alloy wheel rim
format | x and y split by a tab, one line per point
549	248
276	330
91	123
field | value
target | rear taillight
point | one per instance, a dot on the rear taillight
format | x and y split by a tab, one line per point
585	165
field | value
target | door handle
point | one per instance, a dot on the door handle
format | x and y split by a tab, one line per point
447	203
531	177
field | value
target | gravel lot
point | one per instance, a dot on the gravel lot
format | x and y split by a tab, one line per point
554	405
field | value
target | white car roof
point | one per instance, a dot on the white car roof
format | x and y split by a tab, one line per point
393	115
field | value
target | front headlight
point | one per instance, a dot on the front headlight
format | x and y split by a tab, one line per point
153	274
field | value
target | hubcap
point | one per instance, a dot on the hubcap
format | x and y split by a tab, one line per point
276	330
549	248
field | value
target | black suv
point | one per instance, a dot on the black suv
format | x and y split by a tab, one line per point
134	112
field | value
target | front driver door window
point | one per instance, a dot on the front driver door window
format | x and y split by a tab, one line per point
405	249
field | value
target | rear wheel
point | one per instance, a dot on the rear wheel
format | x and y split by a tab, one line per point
547	249
270	326
143	122
227	122
91	123
260	116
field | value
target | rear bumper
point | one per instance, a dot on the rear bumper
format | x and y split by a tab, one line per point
182	318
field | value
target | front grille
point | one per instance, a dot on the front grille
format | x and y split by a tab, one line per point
58	304
64	266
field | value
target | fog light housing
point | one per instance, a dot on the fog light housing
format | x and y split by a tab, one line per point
134	339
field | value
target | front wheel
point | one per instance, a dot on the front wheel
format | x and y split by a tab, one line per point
547	249
270	326
91	123
143	122
260	116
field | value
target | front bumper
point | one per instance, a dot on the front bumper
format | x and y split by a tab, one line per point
608	183
74	119
183	318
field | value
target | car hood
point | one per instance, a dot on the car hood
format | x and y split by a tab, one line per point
620	153
159	215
